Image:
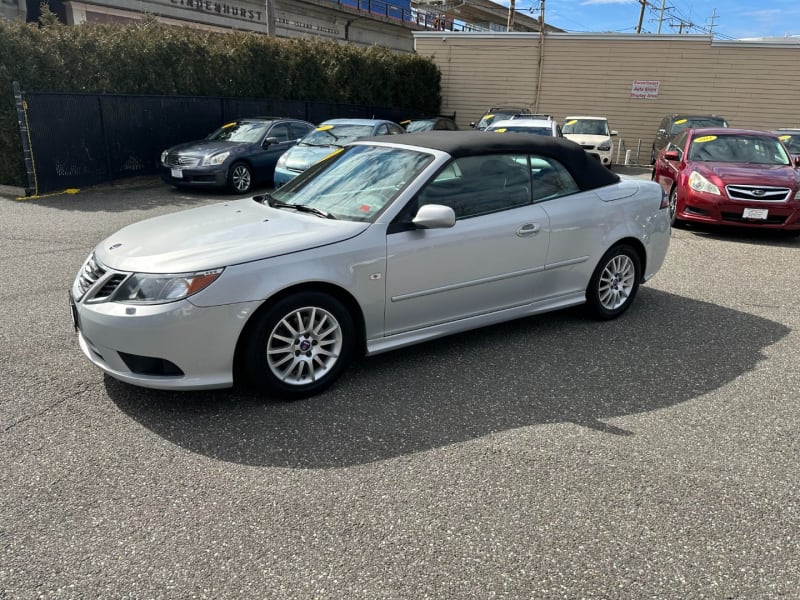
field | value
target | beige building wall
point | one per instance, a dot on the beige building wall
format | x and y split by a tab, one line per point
752	84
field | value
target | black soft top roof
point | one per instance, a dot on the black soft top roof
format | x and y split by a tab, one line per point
587	171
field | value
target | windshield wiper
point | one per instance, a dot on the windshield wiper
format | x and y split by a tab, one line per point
300	207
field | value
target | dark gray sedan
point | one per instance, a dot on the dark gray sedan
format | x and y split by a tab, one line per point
238	155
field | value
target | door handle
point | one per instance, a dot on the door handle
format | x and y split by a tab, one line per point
529	229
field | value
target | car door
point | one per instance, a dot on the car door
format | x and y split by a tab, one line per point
667	171
271	150
489	261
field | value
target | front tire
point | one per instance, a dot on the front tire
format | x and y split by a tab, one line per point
614	283
240	178
299	346
673	207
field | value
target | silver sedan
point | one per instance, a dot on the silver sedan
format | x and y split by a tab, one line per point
380	245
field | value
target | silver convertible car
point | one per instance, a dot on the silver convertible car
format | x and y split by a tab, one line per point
382	244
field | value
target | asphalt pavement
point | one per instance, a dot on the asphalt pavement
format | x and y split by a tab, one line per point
651	457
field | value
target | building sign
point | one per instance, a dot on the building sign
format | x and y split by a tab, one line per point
301	25
647	89
223	9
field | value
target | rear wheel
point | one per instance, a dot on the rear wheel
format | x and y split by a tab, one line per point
299	346
240	178
614	283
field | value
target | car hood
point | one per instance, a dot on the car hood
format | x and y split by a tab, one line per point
582	138
300	157
219	235
205	147
750	174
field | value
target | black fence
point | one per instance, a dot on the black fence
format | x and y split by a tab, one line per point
84	139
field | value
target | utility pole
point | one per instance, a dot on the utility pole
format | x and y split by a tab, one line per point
713	18
661	16
641	16
510	23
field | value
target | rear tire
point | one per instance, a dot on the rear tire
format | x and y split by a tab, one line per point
299	346
614	283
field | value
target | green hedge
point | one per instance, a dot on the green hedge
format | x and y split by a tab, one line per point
151	58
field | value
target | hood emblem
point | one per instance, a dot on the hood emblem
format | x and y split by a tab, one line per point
758	192
114	246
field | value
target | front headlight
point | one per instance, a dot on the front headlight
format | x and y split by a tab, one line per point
605	146
164	157
700	184
797	195
147	288
216	159
282	160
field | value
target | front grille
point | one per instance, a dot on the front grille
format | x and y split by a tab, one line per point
96	283
587	146
758	193
177	160
89	275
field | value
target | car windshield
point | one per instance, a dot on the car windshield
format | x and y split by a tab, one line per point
791	141
525	129
356	183
425	125
336	135
752	149
239	131
586	126
697	123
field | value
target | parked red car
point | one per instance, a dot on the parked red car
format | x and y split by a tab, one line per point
730	177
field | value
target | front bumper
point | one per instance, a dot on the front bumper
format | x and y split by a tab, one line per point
700	207
175	346
211	176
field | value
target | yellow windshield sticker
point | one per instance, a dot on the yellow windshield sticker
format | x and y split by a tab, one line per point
572	122
406	122
227	125
501	130
488	117
785	138
705	138
681	121
325	128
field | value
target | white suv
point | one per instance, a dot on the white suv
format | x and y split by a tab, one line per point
593	135
525	123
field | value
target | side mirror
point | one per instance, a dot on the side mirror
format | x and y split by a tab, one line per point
662	131
672	155
434	216
614	132
797	161
270	140
472	124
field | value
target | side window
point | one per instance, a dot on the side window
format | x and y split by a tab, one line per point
394	129
678	144
550	179
280	131
299	130
479	185
382	130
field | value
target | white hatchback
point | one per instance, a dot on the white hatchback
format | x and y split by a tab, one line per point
593	135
